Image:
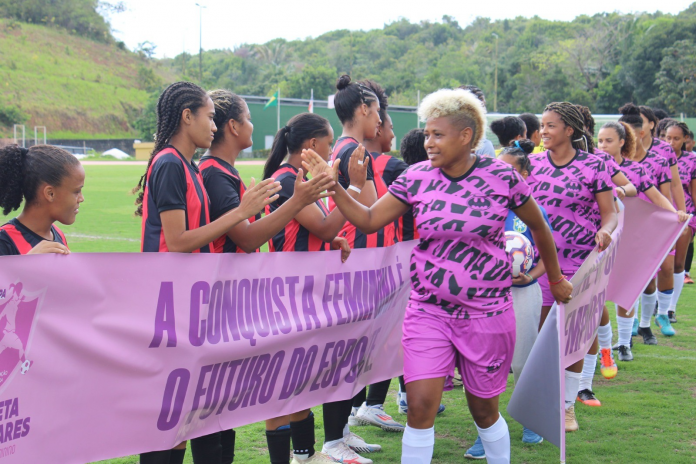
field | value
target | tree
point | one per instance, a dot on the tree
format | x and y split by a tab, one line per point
677	78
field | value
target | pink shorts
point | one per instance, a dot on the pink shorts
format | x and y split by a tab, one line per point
481	348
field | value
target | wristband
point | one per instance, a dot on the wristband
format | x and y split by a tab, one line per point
558	281
355	189
622	189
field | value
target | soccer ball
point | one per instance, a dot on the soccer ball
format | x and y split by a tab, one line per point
521	252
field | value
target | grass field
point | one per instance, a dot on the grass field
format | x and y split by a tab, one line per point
648	413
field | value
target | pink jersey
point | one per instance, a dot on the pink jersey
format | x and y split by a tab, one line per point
568	194
657	167
687	172
460	268
664	150
636	173
609	160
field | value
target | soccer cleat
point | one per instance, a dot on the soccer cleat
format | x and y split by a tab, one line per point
635	328
531	437
607	366
648	337
625	353
317	458
342	453
688	279
375	415
441	409
352	420
672	317
476	451
662	321
616	345
357	444
588	398
571	423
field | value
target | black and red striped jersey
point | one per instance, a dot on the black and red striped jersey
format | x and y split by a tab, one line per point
294	237
225	189
389	168
18	239
172	183
343	149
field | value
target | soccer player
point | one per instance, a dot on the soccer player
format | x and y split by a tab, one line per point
49	181
459	311
533	125
226	190
663	172
659	172
174	206
581	211
314	229
676	134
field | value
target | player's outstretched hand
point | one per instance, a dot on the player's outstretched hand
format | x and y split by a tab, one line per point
314	189
340	243
45	246
683	216
357	167
314	164
258	196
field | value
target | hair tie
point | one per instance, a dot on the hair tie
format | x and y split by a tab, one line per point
23	152
517	144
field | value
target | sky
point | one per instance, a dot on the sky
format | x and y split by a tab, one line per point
173	25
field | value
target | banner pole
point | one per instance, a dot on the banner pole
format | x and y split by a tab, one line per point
560	321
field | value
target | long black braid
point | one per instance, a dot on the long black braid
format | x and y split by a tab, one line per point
173	101
581	140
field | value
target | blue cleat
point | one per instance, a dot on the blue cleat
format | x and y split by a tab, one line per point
530	437
476	451
662	321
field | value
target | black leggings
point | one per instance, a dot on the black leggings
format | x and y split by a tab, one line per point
335	418
377	394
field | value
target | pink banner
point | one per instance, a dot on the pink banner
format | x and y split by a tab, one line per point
107	355
649	234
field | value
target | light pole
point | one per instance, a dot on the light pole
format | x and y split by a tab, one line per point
495	91
200	41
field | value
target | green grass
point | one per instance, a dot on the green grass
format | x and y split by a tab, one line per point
68	83
648	409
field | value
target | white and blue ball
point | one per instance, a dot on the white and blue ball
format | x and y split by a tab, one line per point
521	252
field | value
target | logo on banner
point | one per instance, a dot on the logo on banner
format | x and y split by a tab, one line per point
17	316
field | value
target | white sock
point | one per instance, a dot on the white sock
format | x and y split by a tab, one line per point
636	308
333	443
403	397
664	300
587	374
346	430
604	335
572	382
625	326
678	286
417	445
496	442
647	305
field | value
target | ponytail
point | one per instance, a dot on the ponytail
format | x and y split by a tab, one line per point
289	139
520	149
23	171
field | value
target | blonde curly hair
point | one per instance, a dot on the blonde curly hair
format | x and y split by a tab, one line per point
461	106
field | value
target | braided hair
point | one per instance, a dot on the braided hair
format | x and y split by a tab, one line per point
23	171
663	125
176	98
381	98
587	117
349	97
569	114
228	106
